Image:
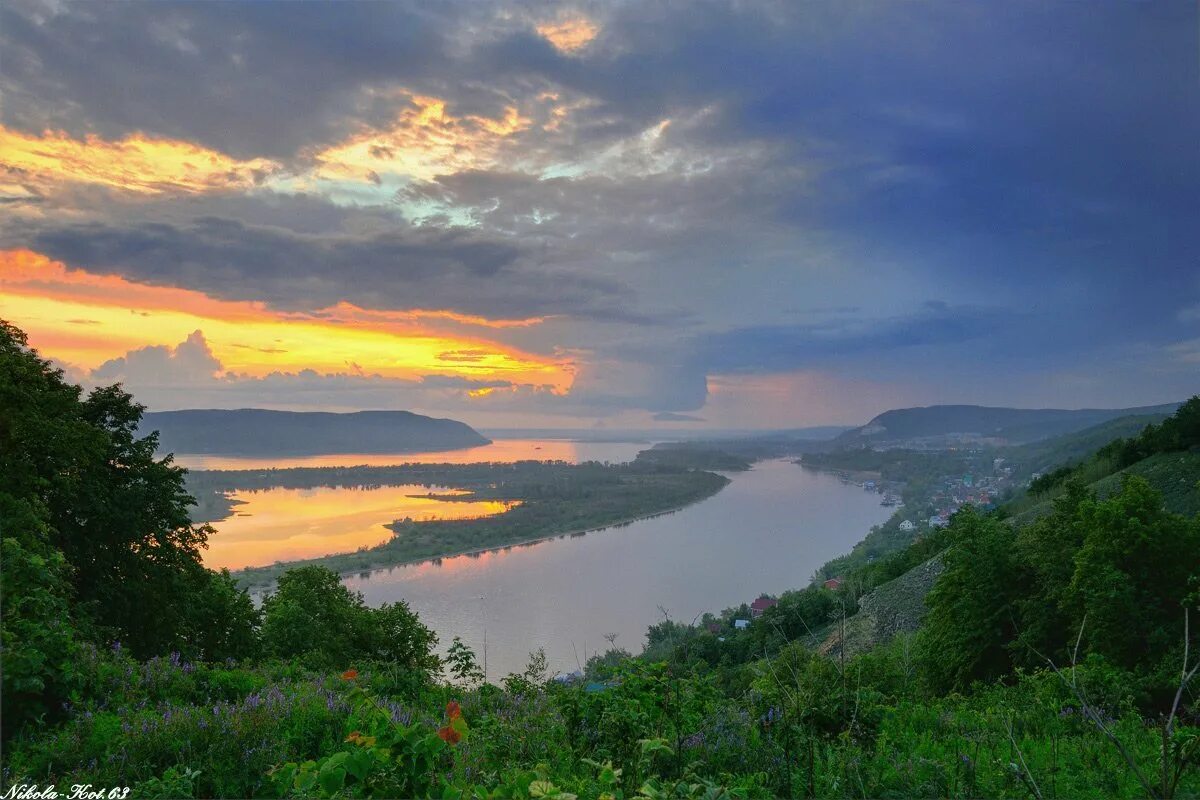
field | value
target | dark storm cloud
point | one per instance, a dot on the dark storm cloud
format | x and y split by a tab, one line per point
424	268
785	348
246	78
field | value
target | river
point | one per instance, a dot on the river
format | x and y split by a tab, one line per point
767	531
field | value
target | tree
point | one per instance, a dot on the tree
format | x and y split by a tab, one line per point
1047	547
97	543
397	636
223	622
118	515
1132	573
971	621
37	641
313	617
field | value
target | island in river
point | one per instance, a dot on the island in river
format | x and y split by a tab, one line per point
542	499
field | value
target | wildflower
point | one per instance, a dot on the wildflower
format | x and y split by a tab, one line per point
349	674
452	710
449	735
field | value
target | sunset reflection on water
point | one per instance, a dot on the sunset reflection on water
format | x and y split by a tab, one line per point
287	524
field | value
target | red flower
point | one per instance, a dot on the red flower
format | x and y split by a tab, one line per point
449	735
349	674
452	710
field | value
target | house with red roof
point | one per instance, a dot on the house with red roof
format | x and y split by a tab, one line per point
760	605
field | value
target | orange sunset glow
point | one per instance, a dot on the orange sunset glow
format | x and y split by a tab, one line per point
85	319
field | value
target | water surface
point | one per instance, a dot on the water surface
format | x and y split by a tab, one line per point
288	524
768	531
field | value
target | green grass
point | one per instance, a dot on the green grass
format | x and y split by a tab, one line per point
1175	475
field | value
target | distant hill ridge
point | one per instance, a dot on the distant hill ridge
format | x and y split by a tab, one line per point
262	432
1014	425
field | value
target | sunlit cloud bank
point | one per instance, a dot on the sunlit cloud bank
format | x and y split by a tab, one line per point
568	35
88	320
136	163
425	140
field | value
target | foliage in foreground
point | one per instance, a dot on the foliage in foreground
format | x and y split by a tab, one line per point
798	726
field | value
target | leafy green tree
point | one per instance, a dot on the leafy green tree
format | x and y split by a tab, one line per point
223	622
97	543
37	640
313	617
971	619
118	515
1047	547
1132	573
396	635
128	534
463	664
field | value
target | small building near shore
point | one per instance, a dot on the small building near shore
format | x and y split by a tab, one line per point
760	605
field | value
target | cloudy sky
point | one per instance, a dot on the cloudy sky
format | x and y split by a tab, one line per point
635	214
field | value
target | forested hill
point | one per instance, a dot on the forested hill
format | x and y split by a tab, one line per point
1013	425
260	432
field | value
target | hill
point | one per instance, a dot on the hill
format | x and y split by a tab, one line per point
1167	454
260	432
1002	425
1175	475
1070	448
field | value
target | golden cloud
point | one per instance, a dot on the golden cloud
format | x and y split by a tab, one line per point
137	163
424	141
569	35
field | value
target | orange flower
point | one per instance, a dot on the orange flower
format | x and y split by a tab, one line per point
449	735
354	736
452	710
349	674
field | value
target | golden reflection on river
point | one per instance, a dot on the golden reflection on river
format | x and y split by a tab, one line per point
287	524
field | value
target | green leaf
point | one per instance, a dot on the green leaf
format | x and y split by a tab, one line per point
332	779
359	764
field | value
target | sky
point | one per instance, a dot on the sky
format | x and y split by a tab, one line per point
680	216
